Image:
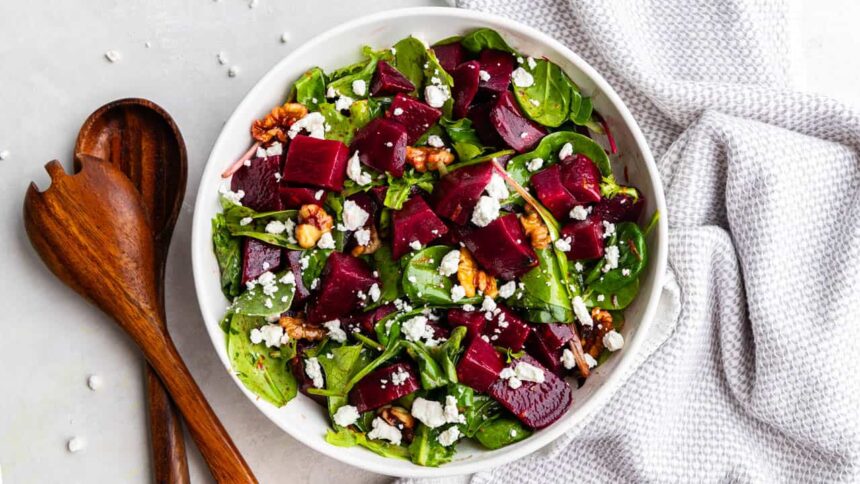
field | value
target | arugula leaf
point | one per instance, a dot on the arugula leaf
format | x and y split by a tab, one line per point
263	372
448	353
228	252
546	299
343	78
310	88
430	372
633	257
433	71
234	215
409	58
399	189
463	137
344	363
426	450
351	438
342	127
547	100
422	282
501	432
254	302
485	38
548	149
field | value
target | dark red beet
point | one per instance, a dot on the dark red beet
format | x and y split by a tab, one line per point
295	197
581	178
388	81
438	331
499	65
480	365
551	193
343	277
465	86
506	329
294	260
297	367
260	184
501	247
415	116
257	258
415	221
517	131
368	320
449	55
317	162
537	405
546	343
479	114
458	192
371	393
382	145
586	239
620	208
549	358
474	321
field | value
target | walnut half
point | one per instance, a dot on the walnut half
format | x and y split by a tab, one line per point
425	157
313	223
535	229
399	417
593	335
297	328
474	279
277	123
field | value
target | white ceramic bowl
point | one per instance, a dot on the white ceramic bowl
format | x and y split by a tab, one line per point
302	418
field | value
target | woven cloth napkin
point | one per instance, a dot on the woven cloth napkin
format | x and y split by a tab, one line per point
752	373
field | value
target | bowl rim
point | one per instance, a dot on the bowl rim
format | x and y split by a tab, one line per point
613	380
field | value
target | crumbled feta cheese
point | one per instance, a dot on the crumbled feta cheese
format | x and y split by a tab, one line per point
534	164
399	377
94	382
314	371
625	272
245	221
578	266
354	217
563	244
359	87
449	436
288	278
354	171
76	444
484	75
233	71
326	241
433	140
113	56
230	195
610	255
528	372
450	263
531	62
488	304
579	212
590	360
319	194
430	413
581	311
457	293
507	289
415	245
272	335
398	111
608	229
522	78
362	237
330	93
613	341
436	96
534	102
416	328
567	359
497	187
486	210
452	413
313	123
334	330
565	151
343	103
275	227
276	149
383	431
346	416
600	298
374	292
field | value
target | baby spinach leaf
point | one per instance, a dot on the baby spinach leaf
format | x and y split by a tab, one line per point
435	74
464	138
618	299
547	101
426	450
310	88
485	38
228	252
409	58
422	282
431	374
254	302
392	349
448	353
351	438
583	114
316	263
341	127
449	40
344	363
482	410
399	189
342	79
235	215
480	159
633	257
501	432
546	299
389	274
548	149
265	375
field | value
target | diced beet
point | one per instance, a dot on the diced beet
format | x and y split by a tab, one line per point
371	393
388	81
382	145
501	247
465	86
297	367
474	321
260	183
449	55
480	365
294	259
343	277
317	162
479	114
257	258
586	238
295	197
415	116
452	237
414	222
546	344
517	131
536	405
620	208
379	193
367	203
552	194
458	192
581	178
549	358
554	335
506	329
368	320
439	332
499	65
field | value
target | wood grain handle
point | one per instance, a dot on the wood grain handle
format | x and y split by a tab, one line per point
169	464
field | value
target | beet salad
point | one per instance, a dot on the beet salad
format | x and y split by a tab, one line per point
431	244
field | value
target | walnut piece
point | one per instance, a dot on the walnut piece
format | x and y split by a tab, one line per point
400	418
535	229
313	223
592	336
276	124
425	157
474	279
372	246
297	328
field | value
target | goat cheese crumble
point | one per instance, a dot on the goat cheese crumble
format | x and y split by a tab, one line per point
346	416
581	311
326	241
450	263
486	210
355	173
383	431
354	217
334	331
534	164
565	151
497	187
314	371
613	341
522	78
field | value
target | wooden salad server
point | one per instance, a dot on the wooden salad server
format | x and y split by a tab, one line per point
92	231
142	140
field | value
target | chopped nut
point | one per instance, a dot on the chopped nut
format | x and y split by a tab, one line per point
425	157
399	417
373	246
307	235
297	328
535	229
313	223
277	123
473	279
592	336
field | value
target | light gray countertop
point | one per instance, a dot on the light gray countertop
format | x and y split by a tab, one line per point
53	73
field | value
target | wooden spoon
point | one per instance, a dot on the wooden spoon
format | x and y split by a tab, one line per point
141	139
92	231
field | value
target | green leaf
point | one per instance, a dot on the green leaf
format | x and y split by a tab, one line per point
254	302
310	88
449	40
448	353
389	275
345	362
409	58
343	78
234	215
547	100
435	74
343	128
265	375
351	438
482	39
464	138
399	189
501	432
481	410
545	296
583	114
317	259
633	258
228	252
422	282
426	450
429	370
480	159
618	299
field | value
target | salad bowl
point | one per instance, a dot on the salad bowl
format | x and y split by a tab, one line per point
303	418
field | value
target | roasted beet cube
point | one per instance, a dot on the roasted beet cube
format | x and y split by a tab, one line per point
581	178
549	358
381	145
517	131
547	342
449	55
501	247
413	114
388	81
480	365
317	162
415	222
368	320
537	405
378	387
474	321
620	208
260	183
257	258
506	329
498	65
479	115
342	279
458	192
295	197
586	238
466	79
551	193
294	259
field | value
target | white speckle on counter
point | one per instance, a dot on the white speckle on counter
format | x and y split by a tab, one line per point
113	56
253	3
76	444
147	44
233	71
94	382
5	154
222	58
285	37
